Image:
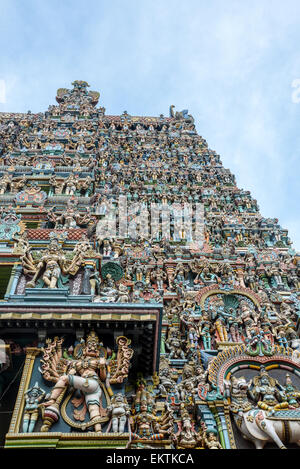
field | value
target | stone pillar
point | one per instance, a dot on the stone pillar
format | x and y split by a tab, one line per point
14	279
222	427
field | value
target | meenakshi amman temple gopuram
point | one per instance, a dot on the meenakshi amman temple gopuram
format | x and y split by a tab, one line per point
145	301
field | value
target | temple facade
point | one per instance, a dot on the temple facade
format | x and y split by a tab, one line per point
145	301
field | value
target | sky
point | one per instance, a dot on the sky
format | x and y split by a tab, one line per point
234	64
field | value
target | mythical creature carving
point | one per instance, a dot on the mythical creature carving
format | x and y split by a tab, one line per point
182	115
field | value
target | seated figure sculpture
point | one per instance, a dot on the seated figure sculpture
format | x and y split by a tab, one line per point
267	392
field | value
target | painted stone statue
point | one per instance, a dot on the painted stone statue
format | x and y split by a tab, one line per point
119	412
91	372
51	267
260	415
145	425
33	398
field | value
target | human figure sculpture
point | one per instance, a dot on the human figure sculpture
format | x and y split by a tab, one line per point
205	327
71	185
118	412
248	318
33	398
219	317
5	181
51	265
292	395
145	425
211	441
167	384
85	374
267	392
174	345
159	276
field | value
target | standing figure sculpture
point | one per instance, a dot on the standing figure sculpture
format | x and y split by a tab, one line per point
219	316
119	413
33	398
86	375
51	266
52	262
89	371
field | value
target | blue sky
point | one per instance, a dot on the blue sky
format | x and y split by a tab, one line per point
231	63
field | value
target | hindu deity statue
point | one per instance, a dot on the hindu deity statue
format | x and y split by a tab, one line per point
33	398
187	387
71	185
5	181
109	291
50	266
267	392
292	395
219	317
167	381
70	218
211	441
234	324
87	374
248	318
205	329
174	345
145	424
187	437
119	413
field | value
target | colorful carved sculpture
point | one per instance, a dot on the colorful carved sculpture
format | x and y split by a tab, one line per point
86	372
131	223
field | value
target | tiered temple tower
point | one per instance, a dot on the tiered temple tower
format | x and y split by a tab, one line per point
145	301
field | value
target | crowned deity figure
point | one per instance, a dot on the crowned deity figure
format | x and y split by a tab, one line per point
292	394
87	374
219	316
52	264
267	392
145	425
33	398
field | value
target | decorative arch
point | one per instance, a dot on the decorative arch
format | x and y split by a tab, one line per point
236	358
215	290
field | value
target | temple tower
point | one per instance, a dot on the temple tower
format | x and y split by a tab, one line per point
136	275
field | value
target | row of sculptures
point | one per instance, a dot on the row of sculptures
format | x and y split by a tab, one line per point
161	411
224	317
172	268
165	168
